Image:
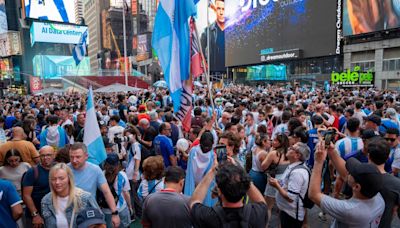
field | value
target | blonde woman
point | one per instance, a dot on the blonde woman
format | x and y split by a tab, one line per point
61	206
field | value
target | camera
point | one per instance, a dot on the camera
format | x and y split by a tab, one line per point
120	139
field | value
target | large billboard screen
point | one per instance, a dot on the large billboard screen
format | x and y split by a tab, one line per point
55	66
259	31
56	33
51	10
215	23
267	72
366	16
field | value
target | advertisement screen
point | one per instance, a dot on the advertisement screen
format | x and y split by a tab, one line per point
51	10
216	25
273	30
3	17
55	66
56	33
365	16
267	72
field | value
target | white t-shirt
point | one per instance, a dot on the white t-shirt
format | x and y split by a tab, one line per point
61	217
133	154
354	213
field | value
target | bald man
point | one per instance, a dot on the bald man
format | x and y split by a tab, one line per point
27	150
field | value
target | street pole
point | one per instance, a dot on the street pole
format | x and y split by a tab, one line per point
125	58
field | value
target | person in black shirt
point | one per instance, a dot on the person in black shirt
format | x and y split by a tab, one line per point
232	185
378	153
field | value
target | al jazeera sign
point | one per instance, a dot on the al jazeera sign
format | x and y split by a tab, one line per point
353	78
56	33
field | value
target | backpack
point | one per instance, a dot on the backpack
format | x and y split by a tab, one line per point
307	203
244	223
101	200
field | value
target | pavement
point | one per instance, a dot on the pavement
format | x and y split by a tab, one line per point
313	220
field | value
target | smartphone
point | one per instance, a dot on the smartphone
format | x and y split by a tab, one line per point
222	155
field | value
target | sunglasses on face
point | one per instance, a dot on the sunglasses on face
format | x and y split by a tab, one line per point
390	139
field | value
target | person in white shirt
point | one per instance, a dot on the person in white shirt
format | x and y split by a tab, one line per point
116	131
292	187
366	206
61	206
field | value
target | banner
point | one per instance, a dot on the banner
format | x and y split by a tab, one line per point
353	78
35	84
56	33
142	48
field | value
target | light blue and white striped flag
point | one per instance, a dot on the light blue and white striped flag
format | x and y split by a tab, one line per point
79	51
92	136
171	41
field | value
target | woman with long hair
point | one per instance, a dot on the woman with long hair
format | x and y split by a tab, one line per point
29	126
120	187
64	202
13	168
274	165
259	153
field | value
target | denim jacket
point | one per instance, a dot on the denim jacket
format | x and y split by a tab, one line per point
85	200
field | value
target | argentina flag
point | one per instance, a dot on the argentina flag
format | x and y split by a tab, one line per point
79	51
171	41
92	136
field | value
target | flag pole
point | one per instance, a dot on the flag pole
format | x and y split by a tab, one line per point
204	64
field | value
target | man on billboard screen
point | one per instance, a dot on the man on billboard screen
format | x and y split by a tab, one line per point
217	38
366	16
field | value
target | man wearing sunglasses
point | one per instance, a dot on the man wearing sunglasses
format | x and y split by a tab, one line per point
392	165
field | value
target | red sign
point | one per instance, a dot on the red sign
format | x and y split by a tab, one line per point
35	83
134	7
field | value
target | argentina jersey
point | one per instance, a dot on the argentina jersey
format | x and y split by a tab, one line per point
349	145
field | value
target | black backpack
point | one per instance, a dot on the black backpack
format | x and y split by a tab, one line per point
101	200
244	223
307	203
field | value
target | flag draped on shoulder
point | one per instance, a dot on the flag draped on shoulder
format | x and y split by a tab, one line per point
171	41
92	136
79	51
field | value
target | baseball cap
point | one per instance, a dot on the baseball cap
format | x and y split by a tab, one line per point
374	118
369	133
367	175
88	217
142	108
391	112
112	159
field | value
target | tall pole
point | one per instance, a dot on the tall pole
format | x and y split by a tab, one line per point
208	44
125	57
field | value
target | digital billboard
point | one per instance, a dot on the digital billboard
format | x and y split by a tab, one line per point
3	17
55	66
268	72
366	16
51	10
259	31
216	25
56	33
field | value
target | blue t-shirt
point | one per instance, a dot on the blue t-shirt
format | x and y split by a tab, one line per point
312	142
8	198
9	121
89	178
40	185
163	146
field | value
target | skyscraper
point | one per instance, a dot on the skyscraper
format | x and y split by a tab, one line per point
92	15
78	11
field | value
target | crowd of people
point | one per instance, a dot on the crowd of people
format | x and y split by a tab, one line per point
249	150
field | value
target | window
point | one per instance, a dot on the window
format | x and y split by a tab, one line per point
391	64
